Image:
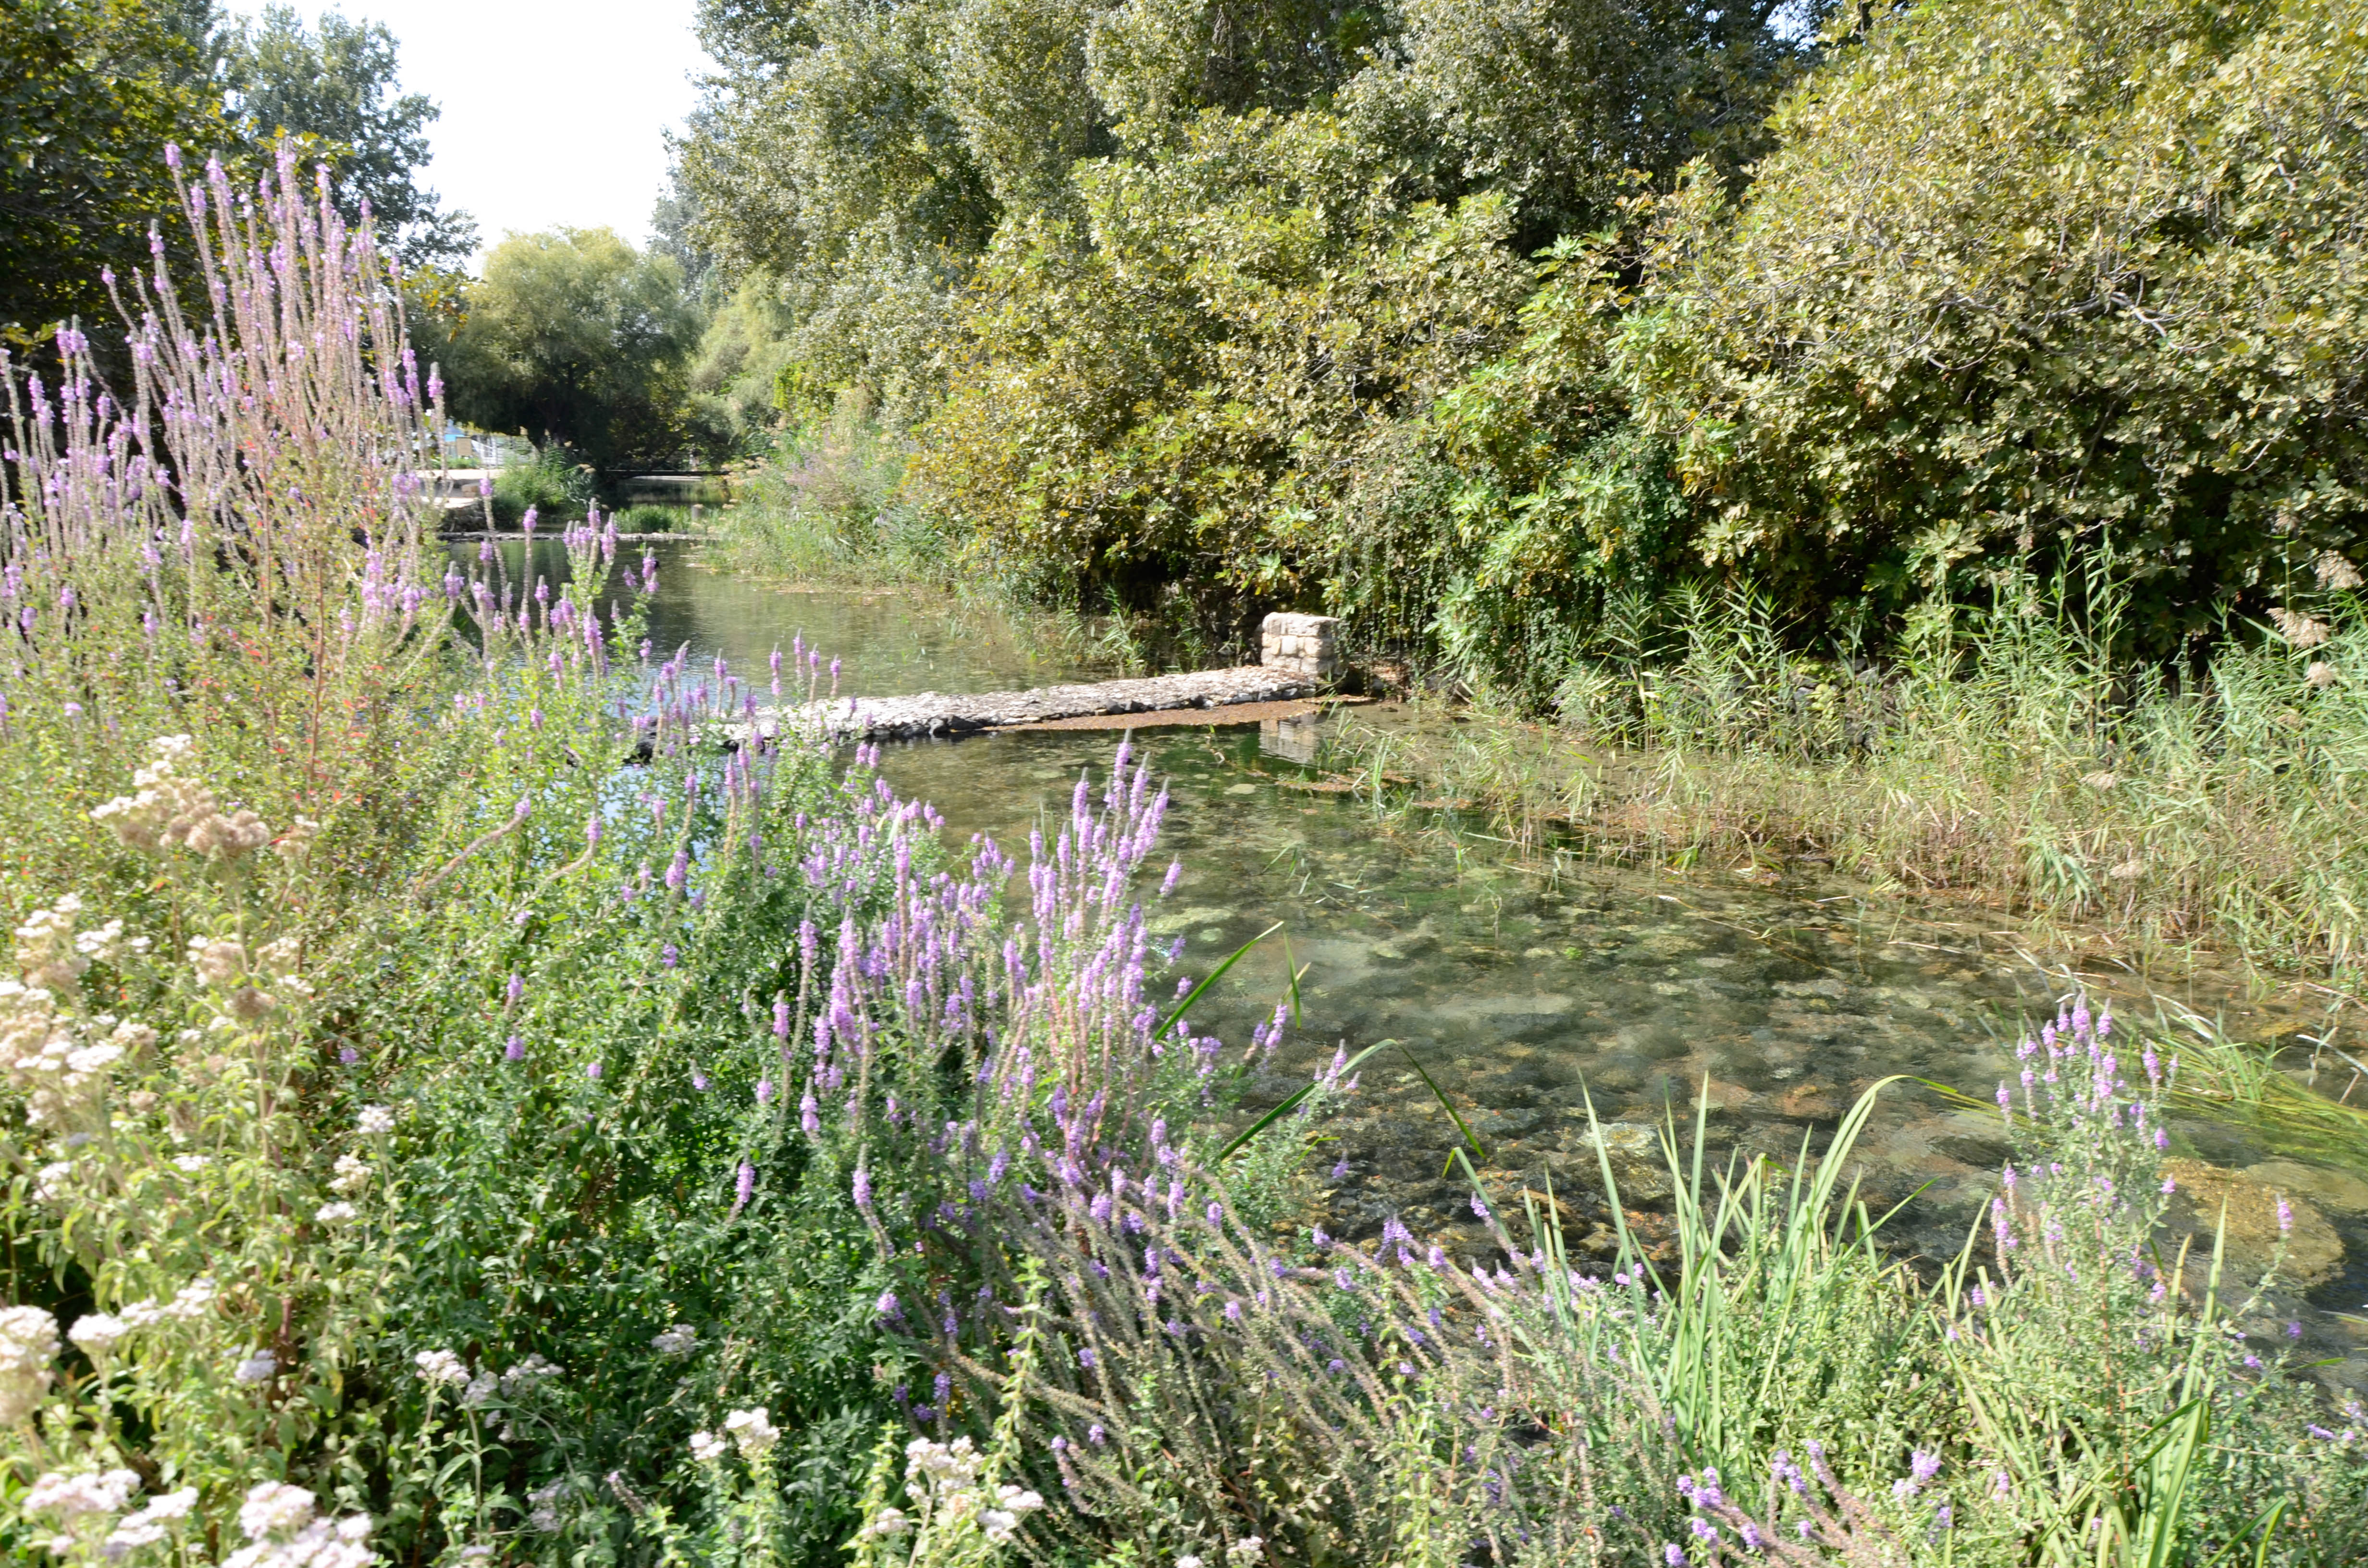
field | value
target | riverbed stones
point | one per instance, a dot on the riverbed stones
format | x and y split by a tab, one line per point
1634	1152
2313	1250
1306	646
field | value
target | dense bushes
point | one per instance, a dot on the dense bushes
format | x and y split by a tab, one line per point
2109	291
1985	287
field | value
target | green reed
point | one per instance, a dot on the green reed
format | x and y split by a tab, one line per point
2002	754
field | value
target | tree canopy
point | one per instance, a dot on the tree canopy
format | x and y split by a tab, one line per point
1459	317
92	93
575	336
336	87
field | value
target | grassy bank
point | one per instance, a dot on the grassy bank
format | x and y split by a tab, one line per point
455	1111
2003	757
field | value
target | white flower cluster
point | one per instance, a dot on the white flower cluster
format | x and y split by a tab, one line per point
352	1175
680	1340
261	1367
223	962
169	809
57	1061
284	1532
85	1505
28	1343
441	1367
544	1514
70	1497
1243	1553
943	1480
528	1376
148	1527
374	1118
52	954
97	1332
188	1305
753	1430
78	1502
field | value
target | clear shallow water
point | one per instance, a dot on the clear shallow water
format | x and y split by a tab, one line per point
1521	993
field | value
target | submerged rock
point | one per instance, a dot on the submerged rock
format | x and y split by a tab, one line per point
2313	1250
1634	1152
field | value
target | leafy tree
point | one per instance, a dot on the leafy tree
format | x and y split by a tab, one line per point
575	336
337	87
91	91
1555	103
832	158
1183	398
2063	273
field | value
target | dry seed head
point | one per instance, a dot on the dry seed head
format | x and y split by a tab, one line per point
2297	628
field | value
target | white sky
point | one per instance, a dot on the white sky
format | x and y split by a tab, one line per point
553	112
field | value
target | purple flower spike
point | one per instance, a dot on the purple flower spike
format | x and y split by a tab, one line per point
764	1092
515	1049
516	991
745	1188
593	1072
862	1188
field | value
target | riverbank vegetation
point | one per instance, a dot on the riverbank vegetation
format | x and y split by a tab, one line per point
2007	757
1891	421
457	1110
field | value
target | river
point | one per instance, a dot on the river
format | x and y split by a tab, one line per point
1523	990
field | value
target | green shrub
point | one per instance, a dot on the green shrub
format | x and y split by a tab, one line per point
650	520
554	484
2058	274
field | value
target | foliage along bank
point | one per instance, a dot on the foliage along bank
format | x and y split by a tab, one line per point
1454	318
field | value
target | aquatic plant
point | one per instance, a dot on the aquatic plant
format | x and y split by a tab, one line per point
2008	753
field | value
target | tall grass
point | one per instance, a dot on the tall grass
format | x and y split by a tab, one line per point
1777	1390
824	507
2004	753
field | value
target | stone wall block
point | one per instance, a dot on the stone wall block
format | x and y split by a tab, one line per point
1307	646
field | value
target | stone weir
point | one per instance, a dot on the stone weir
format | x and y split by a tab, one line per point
1298	650
930	714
